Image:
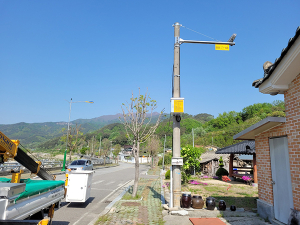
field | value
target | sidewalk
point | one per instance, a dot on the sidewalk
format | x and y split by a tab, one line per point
149	210
146	210
182	216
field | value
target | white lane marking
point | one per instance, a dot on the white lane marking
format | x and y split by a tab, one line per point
98	182
97	205
109	183
101	189
81	218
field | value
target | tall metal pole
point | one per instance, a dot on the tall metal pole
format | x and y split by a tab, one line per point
193	146
176	169
65	155
193	137
100	147
110	148
92	153
163	163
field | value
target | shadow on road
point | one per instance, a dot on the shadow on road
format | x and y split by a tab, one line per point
81	204
155	194
60	222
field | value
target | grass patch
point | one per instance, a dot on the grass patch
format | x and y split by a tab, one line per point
129	197
213	188
240	195
220	215
141	187
154	171
103	219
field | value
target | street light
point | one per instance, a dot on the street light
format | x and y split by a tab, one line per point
177	107
65	155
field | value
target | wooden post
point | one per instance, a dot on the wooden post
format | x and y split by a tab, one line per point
254	168
231	165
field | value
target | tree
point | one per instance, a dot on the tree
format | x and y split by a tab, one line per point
191	158
84	150
153	145
105	148
138	126
73	138
116	151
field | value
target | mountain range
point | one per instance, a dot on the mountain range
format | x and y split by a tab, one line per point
33	134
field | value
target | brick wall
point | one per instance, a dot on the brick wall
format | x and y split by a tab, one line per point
292	129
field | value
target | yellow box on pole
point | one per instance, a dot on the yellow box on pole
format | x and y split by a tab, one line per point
222	47
177	105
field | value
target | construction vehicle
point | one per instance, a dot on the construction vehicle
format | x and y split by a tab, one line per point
25	201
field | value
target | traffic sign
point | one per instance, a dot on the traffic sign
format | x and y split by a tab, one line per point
222	47
177	161
177	105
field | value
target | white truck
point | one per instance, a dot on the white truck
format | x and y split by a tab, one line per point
25	201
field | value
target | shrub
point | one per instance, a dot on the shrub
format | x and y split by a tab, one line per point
168	159
185	177
221	164
167	175
222	172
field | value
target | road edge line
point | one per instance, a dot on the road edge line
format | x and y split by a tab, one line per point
108	207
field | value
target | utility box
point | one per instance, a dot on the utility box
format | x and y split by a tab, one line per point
79	186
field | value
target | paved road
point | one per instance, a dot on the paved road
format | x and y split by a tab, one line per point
107	184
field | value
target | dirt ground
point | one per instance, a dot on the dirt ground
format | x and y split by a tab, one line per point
233	192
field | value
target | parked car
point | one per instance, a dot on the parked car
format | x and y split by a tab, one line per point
81	164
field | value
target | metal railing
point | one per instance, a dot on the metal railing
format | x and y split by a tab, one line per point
49	164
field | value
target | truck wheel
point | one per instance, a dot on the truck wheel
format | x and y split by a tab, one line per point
38	216
57	205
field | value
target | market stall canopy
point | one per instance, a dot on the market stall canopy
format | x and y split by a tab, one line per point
242	148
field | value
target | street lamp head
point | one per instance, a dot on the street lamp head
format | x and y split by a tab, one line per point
89	101
231	39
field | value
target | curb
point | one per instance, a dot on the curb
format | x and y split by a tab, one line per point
162	191
108	207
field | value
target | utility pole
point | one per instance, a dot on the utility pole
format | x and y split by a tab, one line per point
100	147
177	107
110	148
176	169
92	153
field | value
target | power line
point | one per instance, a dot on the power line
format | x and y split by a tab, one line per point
199	33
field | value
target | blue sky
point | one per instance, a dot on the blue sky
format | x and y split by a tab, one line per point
51	51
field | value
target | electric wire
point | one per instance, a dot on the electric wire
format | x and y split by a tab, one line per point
199	33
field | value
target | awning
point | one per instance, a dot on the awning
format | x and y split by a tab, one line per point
261	126
243	148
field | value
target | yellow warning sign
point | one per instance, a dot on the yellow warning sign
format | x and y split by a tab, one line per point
178	106
222	47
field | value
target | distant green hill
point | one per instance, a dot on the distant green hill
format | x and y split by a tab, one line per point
32	135
116	132
207	130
